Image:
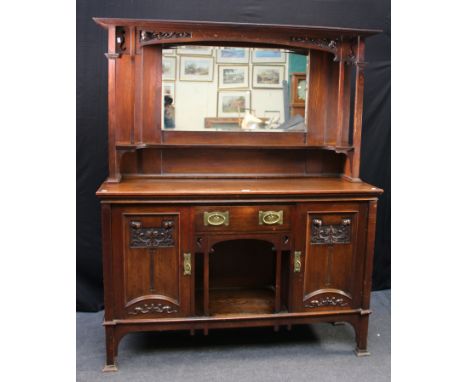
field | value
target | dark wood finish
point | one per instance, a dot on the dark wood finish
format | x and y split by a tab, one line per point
298	247
241	301
242	218
237	138
236	188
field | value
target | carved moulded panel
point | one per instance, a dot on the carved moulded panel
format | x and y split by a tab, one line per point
152	237
147	308
331	233
323	43
326	301
150	35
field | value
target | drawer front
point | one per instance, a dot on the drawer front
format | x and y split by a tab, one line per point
242	218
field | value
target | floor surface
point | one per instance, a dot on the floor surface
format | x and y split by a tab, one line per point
319	352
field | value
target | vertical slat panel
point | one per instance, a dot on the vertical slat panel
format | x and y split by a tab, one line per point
317	97
332	101
114	171
124	99
343	118
354	159
138	112
151	94
106	224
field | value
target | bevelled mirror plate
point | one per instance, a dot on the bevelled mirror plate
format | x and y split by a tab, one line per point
220	88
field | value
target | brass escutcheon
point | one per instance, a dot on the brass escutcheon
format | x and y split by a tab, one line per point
187	264
297	261
216	218
270	217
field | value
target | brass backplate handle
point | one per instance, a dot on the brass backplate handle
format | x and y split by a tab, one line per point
297	261
270	217
187	264
216	218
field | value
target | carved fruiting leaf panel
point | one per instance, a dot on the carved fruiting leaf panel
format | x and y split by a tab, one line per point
152	264
329	263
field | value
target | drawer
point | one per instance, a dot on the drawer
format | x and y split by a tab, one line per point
242	218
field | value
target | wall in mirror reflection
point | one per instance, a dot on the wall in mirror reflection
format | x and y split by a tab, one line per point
208	88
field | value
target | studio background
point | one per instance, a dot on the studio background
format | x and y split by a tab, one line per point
91	105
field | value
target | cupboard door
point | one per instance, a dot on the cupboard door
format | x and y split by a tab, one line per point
156	263
333	256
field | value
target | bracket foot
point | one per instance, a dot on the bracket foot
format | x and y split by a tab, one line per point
361	352
109	368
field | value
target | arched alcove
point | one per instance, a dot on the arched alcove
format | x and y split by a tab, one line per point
242	277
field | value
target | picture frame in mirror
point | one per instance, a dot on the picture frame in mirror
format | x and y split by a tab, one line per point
233	103
268	76
233	77
232	55
193	68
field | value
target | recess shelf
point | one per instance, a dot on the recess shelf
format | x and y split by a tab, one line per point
242	301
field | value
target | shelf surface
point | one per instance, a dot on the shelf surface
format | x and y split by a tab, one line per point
241	301
160	187
106	22
233	146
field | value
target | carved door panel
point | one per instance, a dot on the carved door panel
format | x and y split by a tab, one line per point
332	238
156	263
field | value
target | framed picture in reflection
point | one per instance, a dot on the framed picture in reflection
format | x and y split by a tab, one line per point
233	103
195	50
196	69
268	55
268	76
232	55
233	76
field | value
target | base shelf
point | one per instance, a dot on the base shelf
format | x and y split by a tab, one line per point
242	301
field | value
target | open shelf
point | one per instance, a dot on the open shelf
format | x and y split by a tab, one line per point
233	146
241	301
241	276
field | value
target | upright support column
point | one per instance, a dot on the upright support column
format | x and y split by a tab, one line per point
111	342
206	282
278	278
114	156
362	325
353	161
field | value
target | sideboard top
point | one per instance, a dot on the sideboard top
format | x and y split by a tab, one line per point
239	187
316	30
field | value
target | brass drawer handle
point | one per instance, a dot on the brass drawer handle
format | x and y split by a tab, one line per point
187	264
270	217
297	261
216	218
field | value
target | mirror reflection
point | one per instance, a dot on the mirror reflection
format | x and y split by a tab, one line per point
208	88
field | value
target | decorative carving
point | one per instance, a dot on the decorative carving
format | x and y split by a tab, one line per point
325	43
152	237
326	301
149	35
331	234
120	40
152	308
